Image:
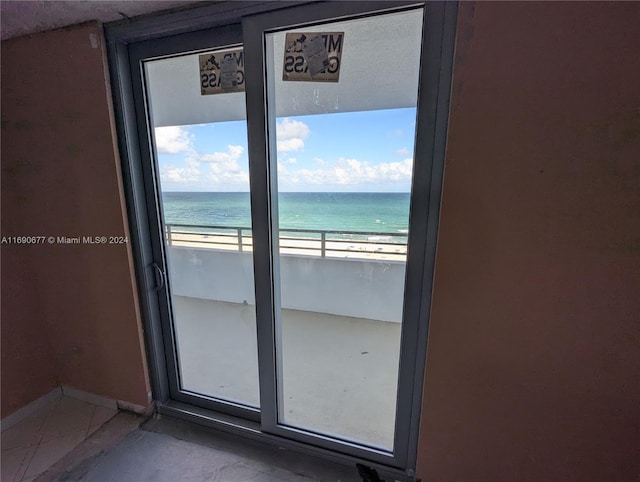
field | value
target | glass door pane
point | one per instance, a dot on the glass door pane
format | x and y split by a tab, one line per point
197	109
343	97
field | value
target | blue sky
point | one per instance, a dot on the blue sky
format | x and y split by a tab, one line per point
367	151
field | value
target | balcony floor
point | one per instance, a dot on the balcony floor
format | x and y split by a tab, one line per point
339	373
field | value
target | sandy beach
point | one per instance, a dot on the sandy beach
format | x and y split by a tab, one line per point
295	246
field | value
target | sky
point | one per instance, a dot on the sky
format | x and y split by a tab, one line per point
369	151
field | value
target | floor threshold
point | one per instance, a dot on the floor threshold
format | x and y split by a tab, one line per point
200	421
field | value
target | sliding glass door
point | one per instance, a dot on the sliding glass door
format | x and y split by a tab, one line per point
199	133
344	142
287	180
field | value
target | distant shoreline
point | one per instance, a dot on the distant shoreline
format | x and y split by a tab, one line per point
290	245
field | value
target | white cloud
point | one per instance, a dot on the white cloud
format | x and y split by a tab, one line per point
221	161
223	172
291	160
172	140
403	152
350	172
229	179
286	145
290	135
182	175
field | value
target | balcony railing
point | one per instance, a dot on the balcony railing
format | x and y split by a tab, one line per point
306	242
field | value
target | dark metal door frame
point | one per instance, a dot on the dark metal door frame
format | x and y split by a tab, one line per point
128	45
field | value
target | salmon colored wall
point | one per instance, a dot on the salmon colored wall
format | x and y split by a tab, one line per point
69	312
533	361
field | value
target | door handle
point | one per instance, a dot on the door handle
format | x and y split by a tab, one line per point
159	276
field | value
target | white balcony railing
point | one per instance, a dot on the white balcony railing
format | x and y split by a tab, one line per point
306	242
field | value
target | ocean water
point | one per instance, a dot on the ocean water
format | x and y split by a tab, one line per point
364	212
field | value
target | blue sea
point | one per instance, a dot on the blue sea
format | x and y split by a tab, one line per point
364	212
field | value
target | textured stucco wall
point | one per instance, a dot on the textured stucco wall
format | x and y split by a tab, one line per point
533	360
69	312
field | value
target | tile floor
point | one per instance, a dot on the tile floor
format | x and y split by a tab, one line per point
166	449
35	443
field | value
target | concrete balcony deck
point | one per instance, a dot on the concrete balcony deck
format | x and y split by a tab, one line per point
339	337
339	374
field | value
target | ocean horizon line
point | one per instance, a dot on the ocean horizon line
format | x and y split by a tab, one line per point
330	211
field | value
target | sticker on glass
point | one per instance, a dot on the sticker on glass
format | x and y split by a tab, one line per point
222	72
312	57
